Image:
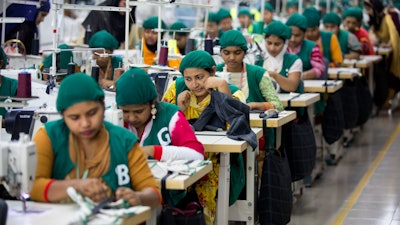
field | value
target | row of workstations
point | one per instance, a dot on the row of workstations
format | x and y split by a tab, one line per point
218	142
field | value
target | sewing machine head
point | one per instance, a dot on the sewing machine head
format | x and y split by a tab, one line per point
18	165
17	121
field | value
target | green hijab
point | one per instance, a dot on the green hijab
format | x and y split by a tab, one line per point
197	59
244	11
269	7
233	38
279	29
353	12
152	23
313	17
77	88
297	20
178	26
103	39
332	18
224	13
213	17
65	58
135	87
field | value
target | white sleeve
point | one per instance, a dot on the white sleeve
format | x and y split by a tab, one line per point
297	66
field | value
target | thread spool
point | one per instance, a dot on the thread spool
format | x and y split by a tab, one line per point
95	73
208	46
35	46
24	85
117	74
58	60
71	68
88	35
163	58
190	45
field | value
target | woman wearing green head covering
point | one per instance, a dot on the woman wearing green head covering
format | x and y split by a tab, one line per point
212	26
225	21
164	132
245	21
83	151
65	57
309	52
191	93
150	38
8	86
327	41
353	21
168	134
284	68
253	80
268	17
107	64
349	44
292	7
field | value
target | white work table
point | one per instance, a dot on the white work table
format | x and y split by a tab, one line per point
322	86
343	73
182	182
298	100
52	213
242	210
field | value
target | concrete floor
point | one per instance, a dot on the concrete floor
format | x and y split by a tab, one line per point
379	192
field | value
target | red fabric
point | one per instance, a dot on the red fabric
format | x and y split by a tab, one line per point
157	152
363	37
182	135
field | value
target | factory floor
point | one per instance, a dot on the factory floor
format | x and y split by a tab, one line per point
364	187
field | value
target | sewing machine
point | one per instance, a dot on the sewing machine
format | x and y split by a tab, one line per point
18	166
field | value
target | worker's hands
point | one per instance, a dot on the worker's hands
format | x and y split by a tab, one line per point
93	188
129	195
148	150
184	100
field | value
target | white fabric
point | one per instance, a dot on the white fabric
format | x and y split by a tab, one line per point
275	63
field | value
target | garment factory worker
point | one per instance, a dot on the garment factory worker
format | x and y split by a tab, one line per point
163	130
352	21
385	30
27	30
267	18
283	67
107	64
327	41
292	7
383	26
323	7
83	151
65	57
111	21
349	44
191	94
254	81
225	20
308	51
212	27
8	86
245	21
150	38
180	37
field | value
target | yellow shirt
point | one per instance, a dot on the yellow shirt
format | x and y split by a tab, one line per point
195	108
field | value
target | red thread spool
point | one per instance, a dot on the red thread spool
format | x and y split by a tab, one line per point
24	85
163	59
